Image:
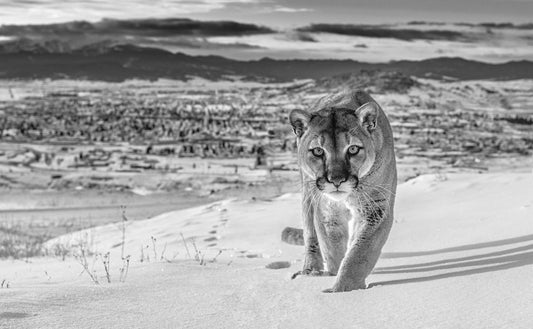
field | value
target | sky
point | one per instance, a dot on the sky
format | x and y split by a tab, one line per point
275	13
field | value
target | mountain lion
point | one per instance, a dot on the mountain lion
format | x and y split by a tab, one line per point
348	173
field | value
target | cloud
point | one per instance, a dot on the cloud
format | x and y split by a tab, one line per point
135	27
384	32
52	11
170	33
284	9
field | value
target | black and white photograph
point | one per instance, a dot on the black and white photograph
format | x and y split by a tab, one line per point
266	164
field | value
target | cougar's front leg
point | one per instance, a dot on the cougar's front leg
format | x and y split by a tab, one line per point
363	251
332	229
313	263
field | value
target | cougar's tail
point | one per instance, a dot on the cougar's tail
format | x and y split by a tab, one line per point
293	235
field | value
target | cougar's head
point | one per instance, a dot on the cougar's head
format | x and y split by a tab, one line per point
336	146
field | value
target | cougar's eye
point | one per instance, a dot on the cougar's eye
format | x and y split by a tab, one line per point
354	149
318	151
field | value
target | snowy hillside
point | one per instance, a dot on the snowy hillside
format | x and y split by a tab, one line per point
460	255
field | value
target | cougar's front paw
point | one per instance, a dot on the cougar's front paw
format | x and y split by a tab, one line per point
310	272
345	286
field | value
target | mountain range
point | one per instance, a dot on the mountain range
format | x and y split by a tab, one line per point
179	48
106	61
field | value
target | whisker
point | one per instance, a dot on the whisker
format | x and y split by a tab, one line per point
377	186
382	191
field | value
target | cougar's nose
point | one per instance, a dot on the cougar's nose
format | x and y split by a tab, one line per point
336	180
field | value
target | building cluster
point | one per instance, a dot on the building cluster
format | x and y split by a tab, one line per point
188	127
453	133
235	125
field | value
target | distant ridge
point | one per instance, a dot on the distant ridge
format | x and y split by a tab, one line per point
118	62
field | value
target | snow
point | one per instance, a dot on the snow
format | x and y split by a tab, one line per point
460	255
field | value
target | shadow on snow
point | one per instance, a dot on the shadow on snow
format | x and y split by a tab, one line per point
482	263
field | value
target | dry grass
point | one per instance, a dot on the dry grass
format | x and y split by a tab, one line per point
17	244
198	256
21	239
106	261
124	269
82	259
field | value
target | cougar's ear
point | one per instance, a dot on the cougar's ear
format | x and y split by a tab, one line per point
368	116
299	121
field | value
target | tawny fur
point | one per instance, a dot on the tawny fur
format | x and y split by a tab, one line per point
348	171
